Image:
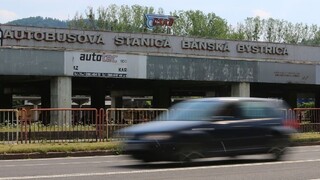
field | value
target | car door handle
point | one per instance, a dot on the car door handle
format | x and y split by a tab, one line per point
203	129
241	126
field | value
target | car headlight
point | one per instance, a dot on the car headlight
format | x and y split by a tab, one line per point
156	137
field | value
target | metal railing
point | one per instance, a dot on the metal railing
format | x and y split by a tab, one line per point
9	126
90	124
69	124
118	118
62	125
308	118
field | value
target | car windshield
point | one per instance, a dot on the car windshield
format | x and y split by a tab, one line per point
192	111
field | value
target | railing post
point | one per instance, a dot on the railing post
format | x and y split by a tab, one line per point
22	125
99	124
107	123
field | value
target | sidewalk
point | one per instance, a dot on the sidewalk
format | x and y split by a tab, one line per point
89	153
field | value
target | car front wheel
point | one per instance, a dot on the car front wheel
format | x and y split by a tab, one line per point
187	154
278	153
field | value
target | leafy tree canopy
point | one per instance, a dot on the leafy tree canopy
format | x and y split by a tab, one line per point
126	18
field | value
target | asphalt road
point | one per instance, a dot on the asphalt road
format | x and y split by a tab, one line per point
301	163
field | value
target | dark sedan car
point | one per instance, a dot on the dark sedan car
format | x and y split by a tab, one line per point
211	127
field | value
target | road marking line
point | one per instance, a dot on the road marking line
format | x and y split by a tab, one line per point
154	170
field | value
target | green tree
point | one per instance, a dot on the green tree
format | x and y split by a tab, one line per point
217	27
253	28
114	18
197	24
78	22
131	19
274	30
313	37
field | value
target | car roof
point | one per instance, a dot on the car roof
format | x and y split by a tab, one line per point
235	99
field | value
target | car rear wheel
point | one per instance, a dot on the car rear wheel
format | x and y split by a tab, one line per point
187	154
278	153
281	142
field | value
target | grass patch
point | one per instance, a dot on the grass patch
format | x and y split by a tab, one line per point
59	147
306	137
113	145
37	127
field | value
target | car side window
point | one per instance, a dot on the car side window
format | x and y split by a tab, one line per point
256	110
229	111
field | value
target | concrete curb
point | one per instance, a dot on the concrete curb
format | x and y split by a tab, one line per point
90	153
314	143
54	154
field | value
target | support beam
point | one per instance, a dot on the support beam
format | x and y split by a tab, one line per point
317	100
46	95
5	98
291	99
98	94
241	89
161	98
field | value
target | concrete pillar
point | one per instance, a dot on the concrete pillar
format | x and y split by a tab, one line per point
241	89
291	99
45	102
61	97
5	98
46	95
116	102
98	94
317	100
161	98
61	92
5	101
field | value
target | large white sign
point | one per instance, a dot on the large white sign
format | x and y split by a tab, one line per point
90	64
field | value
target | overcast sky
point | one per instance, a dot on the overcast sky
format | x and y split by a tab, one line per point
296	11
